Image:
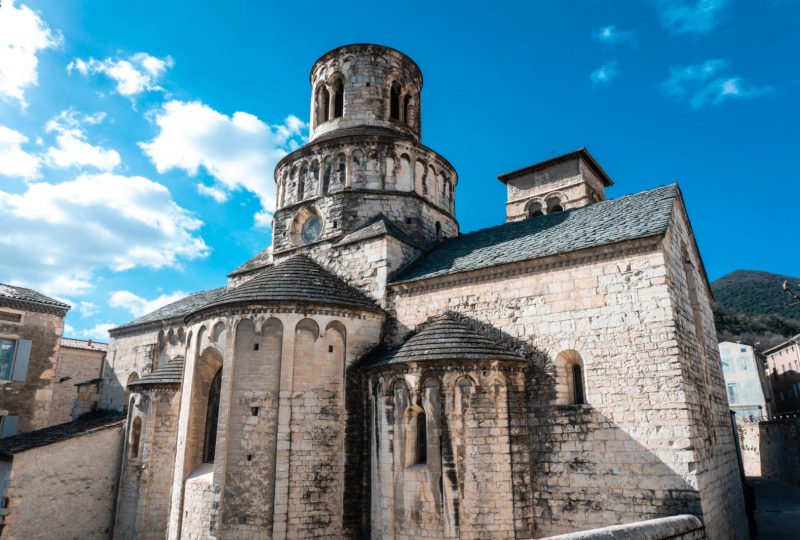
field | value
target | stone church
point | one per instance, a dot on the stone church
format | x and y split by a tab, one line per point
375	373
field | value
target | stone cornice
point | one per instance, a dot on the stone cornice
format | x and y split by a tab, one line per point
552	262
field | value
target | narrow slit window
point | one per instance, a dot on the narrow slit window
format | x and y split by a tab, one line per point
577	381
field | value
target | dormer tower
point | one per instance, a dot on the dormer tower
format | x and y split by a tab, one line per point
568	181
364	157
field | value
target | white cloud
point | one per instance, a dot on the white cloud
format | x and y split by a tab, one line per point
22	35
613	36
239	151
134	75
690	16
14	161
71	147
708	84
604	74
68	329
99	331
139	306
57	235
215	193
87	309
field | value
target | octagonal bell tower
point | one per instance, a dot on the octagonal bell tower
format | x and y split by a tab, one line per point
364	157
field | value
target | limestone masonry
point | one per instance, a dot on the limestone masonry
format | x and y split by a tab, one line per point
376	374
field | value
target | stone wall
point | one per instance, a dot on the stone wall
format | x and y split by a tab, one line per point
146	473
464	486
771	449
74	366
31	399
135	352
78	499
612	307
280	453
713	464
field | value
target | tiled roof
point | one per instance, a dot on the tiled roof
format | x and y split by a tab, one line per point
86	345
262	259
53	434
180	308
376	226
296	279
22	294
617	220
169	373
445	339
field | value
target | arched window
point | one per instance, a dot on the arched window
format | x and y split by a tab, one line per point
554	205
301	189
394	102
212	416
421	448
338	98
577	385
341	169
327	171
135	438
438	232
535	210
323	102
406	108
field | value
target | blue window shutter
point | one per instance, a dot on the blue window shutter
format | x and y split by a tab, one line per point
20	369
8	427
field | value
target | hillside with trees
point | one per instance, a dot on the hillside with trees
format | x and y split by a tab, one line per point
752	307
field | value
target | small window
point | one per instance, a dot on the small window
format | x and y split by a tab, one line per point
212	416
554	205
135	438
577	383
394	102
438	232
338	98
421	439
535	210
7	348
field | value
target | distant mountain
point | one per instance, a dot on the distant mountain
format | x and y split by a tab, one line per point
752	307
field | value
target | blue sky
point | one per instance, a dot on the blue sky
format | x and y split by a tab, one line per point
137	139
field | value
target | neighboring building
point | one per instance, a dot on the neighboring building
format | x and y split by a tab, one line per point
80	366
745	381
375	373
59	482
31	325
783	370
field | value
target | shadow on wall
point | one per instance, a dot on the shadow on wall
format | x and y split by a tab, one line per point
771	449
582	470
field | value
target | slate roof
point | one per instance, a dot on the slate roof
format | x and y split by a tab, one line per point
296	279
376	226
83	344
175	310
262	259
169	373
21	294
53	434
445	339
608	222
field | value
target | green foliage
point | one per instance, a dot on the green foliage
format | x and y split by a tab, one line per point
752	307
